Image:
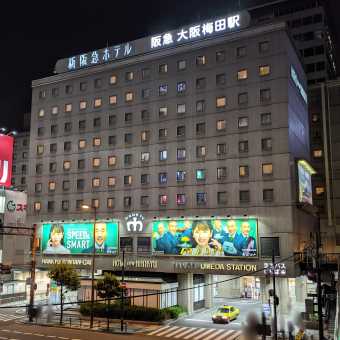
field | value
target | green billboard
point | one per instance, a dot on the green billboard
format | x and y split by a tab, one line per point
77	238
206	237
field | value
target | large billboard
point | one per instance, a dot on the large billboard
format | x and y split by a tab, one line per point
77	238
206	237
305	172
15	208
6	158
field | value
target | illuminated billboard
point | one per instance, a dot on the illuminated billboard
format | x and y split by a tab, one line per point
77	238
206	237
6	158
305	172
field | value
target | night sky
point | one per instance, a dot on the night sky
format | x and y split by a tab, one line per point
35	34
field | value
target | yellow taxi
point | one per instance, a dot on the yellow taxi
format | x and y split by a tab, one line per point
225	314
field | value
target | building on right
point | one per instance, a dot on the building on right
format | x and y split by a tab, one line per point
324	112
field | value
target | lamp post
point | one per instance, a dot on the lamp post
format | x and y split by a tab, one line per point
87	207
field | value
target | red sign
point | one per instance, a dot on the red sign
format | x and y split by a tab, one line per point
6	157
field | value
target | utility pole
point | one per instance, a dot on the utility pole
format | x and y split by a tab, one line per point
122	283
274	293
93	266
33	266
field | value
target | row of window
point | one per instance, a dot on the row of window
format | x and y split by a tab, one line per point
163	200
146	73
221	101
200	175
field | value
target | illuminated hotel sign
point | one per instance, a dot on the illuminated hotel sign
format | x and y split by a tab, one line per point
297	83
134	222
186	34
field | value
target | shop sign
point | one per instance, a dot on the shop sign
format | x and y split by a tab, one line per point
15	208
139	263
280	269
218	267
134	222
70	260
6	159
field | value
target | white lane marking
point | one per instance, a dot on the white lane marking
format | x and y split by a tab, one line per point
236	335
174	332
51	336
61	337
170	330
206	332
27	333
180	335
38	334
218	331
224	335
193	333
158	330
198	320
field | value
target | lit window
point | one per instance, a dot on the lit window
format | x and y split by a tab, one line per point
221	125
55	110
96	162
180	108
128	180
98	102
221	173
181	87
201	151
41	113
37	206
163	199
180	176
242	74
267	169
67	165
201	198
95	182
163	177
180	199
129	96
181	154
145	136
319	190
200	174
317	153
51	186
162	133
113	100
110	203
163	90
97	141
200	60
82	104
40	149
95	203
163	155
181	65
82	144
200	106
243	171
243	122
111	181
145	157
113	79
163	112
111	160
68	107
129	76
264	70
221	102
163	68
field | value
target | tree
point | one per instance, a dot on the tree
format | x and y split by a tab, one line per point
67	278
108	288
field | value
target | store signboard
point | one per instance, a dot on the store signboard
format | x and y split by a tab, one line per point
206	237
15	209
77	238
305	172
6	159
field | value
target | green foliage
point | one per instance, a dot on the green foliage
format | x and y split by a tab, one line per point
174	312
108	287
65	275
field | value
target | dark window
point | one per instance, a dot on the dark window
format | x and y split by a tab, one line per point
200	129
145	179
200	106
80	184
243	98
67	146
143	244
220	79
128	117
200	83
243	146
96	122
244	196
126	244
265	95
222	197
201	198
267	246
128	159
263	46
82	124
112	120
128	138
146	73
181	131
81	164
220	56
268	195
83	86
145	115
266	118
241	51
112	140
53	148
127	201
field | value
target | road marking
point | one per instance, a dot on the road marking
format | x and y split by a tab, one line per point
17	332
176	331
208	331
235	336
214	334
193	333
198	320
224	335
180	335
171	329
38	334
158	330
3	337
61	337
27	333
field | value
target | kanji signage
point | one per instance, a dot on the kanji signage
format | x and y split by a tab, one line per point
15	209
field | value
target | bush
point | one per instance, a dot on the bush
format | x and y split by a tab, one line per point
130	312
174	312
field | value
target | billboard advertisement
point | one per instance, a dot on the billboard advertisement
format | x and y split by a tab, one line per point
206	237
77	238
6	157
305	172
15	208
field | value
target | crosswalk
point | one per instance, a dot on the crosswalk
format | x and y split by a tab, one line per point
196	333
9	317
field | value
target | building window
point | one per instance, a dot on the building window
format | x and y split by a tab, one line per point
144	201
201	198
38	187
180	176
200	129
55	92
162	133
82	105
181	65
319	190
163	177
68	89
129	96
111	161
243	122
111	181
53	167
82	144
266	144
241	51
201	151
146	93
82	124
221	173
112	140
95	182
200	83
113	100
143	244
221	149
220	56
41	131
128	138
68	107
110	203
127	180
163	199
83	86
81	164
163	155
41	113
128	159
113	79
96	162
68	127
264	70
268	195
244	171
51	186
163	68
129	76
80	184
67	165
163	90
145	157
180	108
180	199
181	87
200	60
128	117
37	206
145	136
263	46
221	125
95	203
243	98
145	115
97	102
66	185
112	120
65	205
127	201
243	146
242	74
266	118
181	154
126	244
200	174
96	141
146	73
180	131
220	79
265	95
244	196
55	110
317	153
40	149
221	102
163	112
267	169
145	179
222	197
200	106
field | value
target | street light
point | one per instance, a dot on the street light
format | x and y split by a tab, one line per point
4	131
87	207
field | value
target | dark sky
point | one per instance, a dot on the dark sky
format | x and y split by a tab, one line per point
35	34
